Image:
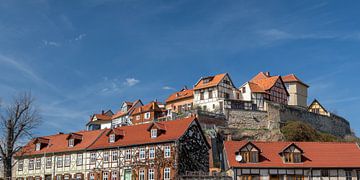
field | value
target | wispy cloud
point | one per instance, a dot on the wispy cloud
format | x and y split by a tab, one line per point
80	37
51	43
131	82
168	88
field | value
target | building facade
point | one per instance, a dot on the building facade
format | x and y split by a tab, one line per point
100	121
147	151
180	102
122	117
298	90
316	107
292	160
147	113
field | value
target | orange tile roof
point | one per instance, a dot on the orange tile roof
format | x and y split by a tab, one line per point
59	143
151	106
121	113
139	134
103	117
266	83
293	78
316	154
260	75
215	80
185	93
256	88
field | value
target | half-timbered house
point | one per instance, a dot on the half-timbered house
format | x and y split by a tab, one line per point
317	108
292	160
146	151
147	113
180	102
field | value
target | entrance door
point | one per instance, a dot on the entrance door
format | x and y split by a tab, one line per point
127	174
47	177
274	177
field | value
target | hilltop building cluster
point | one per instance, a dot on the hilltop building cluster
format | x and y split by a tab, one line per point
169	140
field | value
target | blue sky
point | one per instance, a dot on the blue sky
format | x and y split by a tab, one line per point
79	57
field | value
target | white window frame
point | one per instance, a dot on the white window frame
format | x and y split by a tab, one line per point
59	161
138	117
167	151
78	176
142	153
71	142
147	115
151	175
38	163
141	174
21	165
67	161
112	138
79	159
167	173
92	157
106	156
114	175
48	162
152	153
153	133
38	147
58	177
92	176
128	154
114	156
105	175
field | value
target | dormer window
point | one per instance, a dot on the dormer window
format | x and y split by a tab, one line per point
153	133
292	154
112	138
147	115
249	153
71	142
37	146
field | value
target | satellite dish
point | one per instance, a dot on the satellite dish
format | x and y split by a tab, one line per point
238	158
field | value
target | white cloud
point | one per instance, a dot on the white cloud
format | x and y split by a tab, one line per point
79	37
131	82
168	88
51	43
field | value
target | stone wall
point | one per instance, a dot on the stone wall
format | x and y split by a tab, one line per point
279	114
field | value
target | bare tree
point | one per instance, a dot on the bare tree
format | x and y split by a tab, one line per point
17	122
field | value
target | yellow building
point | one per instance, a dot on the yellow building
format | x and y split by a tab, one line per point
297	89
316	107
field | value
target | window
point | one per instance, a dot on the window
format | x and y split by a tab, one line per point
59	161
151	174
92	176
142	174
210	94
152	153
249	177
105	176
167	174
106	156
201	95
325	174
67	161
114	156
92	157
37	178
48	163
66	177
348	175
138	117
58	177
243	89
167	151
128	154
20	165
114	175
79	177
153	133
38	147
38	163
142	153
79	159
147	115
112	138
294	177
31	164
358	175
71	142
292	157
250	156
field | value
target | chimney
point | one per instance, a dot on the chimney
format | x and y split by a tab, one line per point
267	73
177	94
60	133
102	112
155	100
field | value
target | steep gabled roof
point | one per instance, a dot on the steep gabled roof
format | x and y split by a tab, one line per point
151	106
263	82
121	113
316	155
183	94
315	101
293	78
212	81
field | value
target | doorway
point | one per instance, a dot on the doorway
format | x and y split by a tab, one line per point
127	174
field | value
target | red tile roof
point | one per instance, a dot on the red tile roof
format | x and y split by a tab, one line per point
59	143
213	81
317	154
184	93
121	113
151	106
293	78
139	134
256	88
103	117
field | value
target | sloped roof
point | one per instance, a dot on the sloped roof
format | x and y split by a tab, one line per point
266	83
213	81
316	154
292	78
121	113
151	106
315	101
139	134
184	93
256	88
59	143
103	117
